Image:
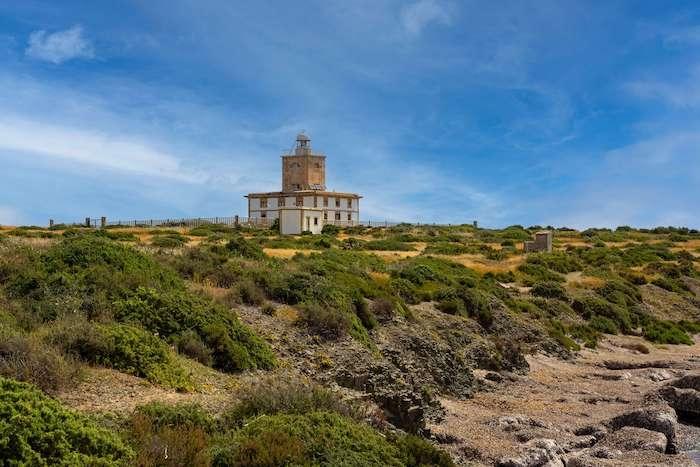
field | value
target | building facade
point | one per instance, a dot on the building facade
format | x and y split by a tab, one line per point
542	242
304	204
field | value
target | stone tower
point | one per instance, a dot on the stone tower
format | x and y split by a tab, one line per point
303	170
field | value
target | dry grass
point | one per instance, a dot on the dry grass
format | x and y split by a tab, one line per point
578	281
483	265
284	253
391	256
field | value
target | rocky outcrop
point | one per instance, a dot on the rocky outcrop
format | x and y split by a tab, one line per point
683	394
659	418
535	453
630	438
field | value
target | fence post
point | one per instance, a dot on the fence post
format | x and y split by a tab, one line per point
235	220
103	222
50	223
87	222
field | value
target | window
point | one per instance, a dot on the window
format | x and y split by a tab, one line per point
315	220
315	201
349	217
280	201
337	202
325	201
349	202
300	201
263	202
325	216
263	215
337	216
318	165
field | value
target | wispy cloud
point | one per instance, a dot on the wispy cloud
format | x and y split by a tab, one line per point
418	15
59	46
89	147
681	94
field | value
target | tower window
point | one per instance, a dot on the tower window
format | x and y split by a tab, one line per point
325	201
280	201
349	216
300	201
337	202
337	216
315	220
263	202
349	202
325	216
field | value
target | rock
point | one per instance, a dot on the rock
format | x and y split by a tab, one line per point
536	453
519	422
635	439
687	382
594	457
685	401
493	376
580	442
403	409
625	365
597	431
660	418
659	375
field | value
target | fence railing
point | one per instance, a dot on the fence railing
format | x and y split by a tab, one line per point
261	222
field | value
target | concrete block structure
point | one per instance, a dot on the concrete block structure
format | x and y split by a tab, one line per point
304	204
542	242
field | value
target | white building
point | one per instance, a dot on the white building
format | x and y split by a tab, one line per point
304	204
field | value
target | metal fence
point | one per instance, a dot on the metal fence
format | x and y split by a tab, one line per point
103	222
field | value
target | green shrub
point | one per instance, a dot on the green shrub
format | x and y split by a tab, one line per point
310	439
535	273
557	332
366	316
239	246
666	332
37	430
585	333
446	248
549	290
417	452
612	318
234	346
388	245
477	305
169	241
330	229
452	306
190	343
125	348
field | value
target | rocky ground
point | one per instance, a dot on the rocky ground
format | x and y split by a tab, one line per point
609	406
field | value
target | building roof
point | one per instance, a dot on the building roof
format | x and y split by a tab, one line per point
271	194
303	137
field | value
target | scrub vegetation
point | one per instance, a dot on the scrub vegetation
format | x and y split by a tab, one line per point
162	304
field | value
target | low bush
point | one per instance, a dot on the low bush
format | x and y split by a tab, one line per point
417	452
388	245
125	348
604	315
558	332
363	312
234	346
325	321
330	229
534	273
239	246
162	415
189	343
549	289
585	333
309	439
27	359
666	332
287	395
169	241
37	430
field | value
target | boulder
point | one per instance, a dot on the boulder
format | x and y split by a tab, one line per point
659	417
597	431
536	453
519	422
686	402
631	438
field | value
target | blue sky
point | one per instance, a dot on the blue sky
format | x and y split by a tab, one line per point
543	112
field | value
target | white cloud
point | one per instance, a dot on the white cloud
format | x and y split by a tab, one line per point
60	46
415	17
90	147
